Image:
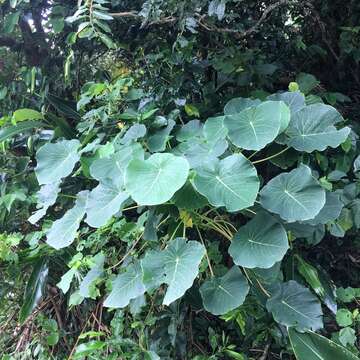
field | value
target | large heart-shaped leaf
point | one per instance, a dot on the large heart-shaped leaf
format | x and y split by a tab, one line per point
225	293
255	127
113	167
231	182
155	180
63	231
214	129
104	201
312	128
126	286
260	243
295	305
312	346
239	104
294	196
177	266
55	161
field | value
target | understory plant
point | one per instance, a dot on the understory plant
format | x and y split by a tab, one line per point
212	213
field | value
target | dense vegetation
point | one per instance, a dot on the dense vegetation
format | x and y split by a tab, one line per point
179	179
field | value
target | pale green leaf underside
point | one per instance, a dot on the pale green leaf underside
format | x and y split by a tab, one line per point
63	231
295	100
56	160
126	286
225	293
294	305
46	197
255	127
239	104
295	196
260	243
231	182
312	346
155	180
312	128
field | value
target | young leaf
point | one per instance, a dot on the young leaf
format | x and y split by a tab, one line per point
27	114
56	161
312	128
260	243
295	305
155	180
231	182
255	127
294	196
95	273
225	293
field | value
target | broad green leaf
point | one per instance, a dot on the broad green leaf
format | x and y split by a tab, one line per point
198	151
236	105
294	100
312	128
312	346
331	210
63	231
225	293
104	201
155	180
231	182
94	274
260	243
34	289
126	286
295	305
46	197
27	114
214	129
188	198
307	82
113	167
9	131
177	266
255	127
56	160
295	195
